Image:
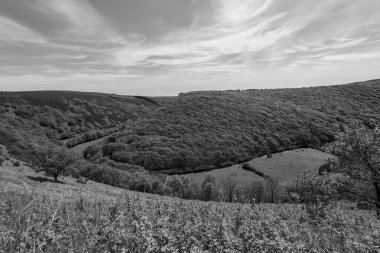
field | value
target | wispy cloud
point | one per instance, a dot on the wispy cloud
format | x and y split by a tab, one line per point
78	22
351	56
238	11
13	32
206	45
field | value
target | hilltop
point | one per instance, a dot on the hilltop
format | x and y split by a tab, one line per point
199	131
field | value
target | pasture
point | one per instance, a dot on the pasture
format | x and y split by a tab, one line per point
284	166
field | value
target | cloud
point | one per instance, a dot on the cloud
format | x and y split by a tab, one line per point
13	32
208	44
79	21
238	11
154	42
351	56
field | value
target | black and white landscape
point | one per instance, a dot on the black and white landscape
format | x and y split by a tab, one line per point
189	126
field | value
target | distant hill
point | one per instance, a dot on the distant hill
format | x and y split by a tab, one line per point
199	131
39	118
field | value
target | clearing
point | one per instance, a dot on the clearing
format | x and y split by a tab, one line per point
284	166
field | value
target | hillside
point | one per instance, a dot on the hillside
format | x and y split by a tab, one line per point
39	215
209	129
39	118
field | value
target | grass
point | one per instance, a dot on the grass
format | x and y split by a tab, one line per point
70	217
284	166
242	176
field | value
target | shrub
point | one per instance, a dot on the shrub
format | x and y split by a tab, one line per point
16	163
364	205
24	112
317	193
64	136
82	180
107	175
110	148
247	166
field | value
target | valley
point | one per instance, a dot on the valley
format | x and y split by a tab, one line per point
134	142
208	171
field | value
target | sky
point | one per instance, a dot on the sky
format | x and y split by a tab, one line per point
164	47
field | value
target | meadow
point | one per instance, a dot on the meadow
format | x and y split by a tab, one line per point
285	166
37	215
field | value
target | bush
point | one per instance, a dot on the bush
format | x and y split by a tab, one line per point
110	148
16	163
107	175
317	193
364	205
247	166
82	180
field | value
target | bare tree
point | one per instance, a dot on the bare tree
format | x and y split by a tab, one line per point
230	185
273	187
254	192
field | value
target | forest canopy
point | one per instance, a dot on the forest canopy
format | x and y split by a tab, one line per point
210	129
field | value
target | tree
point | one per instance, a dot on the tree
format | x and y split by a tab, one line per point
317	193
273	187
358	151
209	191
230	185
53	162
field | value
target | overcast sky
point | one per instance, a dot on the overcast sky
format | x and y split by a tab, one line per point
163	47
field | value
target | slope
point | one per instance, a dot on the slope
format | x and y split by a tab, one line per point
199	131
39	118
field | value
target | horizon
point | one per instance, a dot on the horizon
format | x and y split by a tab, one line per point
132	95
167	47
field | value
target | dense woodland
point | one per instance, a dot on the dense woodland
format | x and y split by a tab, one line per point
30	120
204	130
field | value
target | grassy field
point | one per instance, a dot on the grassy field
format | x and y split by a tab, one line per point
37	215
284	166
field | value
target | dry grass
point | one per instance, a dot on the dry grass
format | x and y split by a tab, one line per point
70	217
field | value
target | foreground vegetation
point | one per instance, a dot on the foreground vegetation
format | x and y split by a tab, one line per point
32	222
